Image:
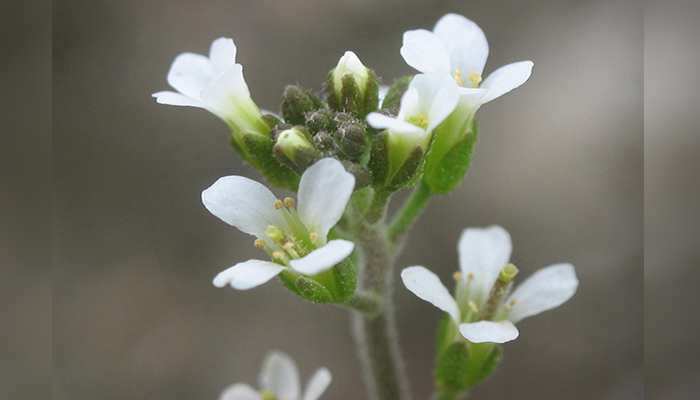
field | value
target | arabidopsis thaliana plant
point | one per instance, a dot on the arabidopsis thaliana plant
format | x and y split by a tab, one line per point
279	380
295	236
483	254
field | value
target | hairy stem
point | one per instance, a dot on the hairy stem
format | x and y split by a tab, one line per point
408	214
376	335
365	302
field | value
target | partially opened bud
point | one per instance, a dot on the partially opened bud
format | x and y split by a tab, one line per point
352	87
294	148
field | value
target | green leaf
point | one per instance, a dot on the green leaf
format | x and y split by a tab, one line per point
262	158
445	173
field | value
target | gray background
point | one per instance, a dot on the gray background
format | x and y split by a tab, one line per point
559	164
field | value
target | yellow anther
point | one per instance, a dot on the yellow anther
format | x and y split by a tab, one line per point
278	255
278	204
288	202
473	306
470	276
288	245
458	77
268	395
313	236
475	78
511	304
418	120
260	243
457	276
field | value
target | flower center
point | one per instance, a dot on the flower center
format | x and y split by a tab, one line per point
268	395
418	120
289	244
474	78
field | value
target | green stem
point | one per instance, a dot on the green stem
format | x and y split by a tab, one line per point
377	208
444	396
365	302
376	335
408	214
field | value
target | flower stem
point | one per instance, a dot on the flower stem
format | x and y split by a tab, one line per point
408	214
376	335
365	302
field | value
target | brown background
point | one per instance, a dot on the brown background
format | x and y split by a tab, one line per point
559	164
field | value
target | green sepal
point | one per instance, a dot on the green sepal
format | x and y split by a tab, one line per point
313	291
444	172
446	333
320	120
261	157
452	369
406	175
379	159
350	95
371	100
345	275
351	140
288	279
362	175
270	120
296	102
396	90
478	375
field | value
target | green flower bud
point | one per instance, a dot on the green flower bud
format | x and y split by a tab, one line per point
396	160
351	140
259	149
320	120
296	102
362	175
352	87
294	148
325	143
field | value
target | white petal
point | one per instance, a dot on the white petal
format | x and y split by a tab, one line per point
243	203
424	51
465	42
489	331
444	103
280	376
222	55
323	258
176	99
483	252
426	285
249	274
505	79
324	191
240	391
190	73
547	288
228	96
381	121
317	384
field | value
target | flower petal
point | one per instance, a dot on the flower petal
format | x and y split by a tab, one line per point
243	203
424	51
483	252
190	73
465	42
505	79
427	286
546	289
176	99
249	274
381	121
222	54
317	384
240	391
324	191
229	98
280	376
489	331
323	258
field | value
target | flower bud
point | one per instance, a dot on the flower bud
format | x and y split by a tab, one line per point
352	87
294	148
351	140
320	120
325	143
396	160
260	151
296	102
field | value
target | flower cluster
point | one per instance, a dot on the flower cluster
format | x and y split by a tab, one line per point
345	152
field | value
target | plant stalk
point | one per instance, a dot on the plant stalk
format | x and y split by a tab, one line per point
408	214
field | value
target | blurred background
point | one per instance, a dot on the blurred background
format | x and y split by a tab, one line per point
559	163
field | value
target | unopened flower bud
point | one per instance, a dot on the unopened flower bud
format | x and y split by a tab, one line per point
352	87
320	120
351	140
294	148
296	102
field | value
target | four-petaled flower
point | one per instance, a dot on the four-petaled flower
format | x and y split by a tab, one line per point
216	84
295	238
480	307
457	47
279	380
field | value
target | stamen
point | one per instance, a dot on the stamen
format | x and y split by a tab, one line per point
268	395
470	277
458	77
418	120
313	236
475	78
457	276
278	255
288	245
260	243
473	306
288	202
278	204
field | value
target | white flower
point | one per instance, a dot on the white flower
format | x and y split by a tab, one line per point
350	64
216	84
279	380
295	238
483	254
457	47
